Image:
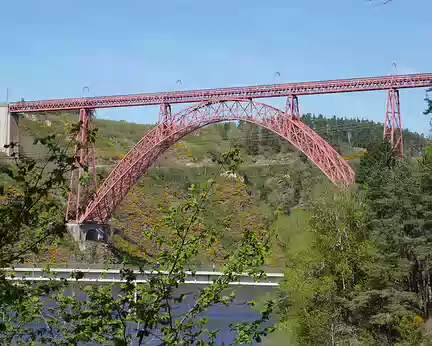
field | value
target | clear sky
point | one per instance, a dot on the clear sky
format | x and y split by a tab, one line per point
54	48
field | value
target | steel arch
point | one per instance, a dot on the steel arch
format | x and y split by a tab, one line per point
153	144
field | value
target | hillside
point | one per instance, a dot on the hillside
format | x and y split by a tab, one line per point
116	138
274	179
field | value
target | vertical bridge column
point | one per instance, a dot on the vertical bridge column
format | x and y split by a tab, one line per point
83	185
9	130
164	113
83	178
292	107
165	118
292	111
393	131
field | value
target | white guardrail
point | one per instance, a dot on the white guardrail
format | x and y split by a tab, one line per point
113	276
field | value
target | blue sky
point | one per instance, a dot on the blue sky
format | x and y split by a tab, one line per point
52	49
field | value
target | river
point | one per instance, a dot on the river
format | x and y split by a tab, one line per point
220	317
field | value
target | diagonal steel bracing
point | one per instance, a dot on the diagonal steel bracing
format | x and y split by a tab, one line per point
174	127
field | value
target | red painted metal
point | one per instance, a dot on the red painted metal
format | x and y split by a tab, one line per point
241	93
154	143
292	107
214	105
79	195
393	130
164	113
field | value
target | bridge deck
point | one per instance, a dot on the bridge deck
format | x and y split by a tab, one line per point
243	93
113	276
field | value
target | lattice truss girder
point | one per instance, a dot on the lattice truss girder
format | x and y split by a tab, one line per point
152	145
260	91
393	131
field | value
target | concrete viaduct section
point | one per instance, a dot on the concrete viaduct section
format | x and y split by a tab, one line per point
9	130
82	233
113	276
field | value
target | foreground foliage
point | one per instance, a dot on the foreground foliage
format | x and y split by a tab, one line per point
54	312
358	263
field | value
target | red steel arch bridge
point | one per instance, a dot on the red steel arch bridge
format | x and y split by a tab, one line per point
212	106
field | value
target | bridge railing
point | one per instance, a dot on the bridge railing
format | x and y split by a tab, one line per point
270	279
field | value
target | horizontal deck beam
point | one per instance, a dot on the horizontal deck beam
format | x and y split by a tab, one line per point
423	80
113	276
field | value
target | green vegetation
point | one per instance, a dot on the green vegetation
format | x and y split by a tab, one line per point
116	138
276	178
45	312
357	261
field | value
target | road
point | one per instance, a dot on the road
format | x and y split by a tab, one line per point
113	276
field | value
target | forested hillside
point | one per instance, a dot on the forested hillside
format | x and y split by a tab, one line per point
273	179
356	260
116	138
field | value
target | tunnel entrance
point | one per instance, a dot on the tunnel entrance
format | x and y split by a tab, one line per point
94	235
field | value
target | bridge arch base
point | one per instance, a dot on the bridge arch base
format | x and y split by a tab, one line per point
85	233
